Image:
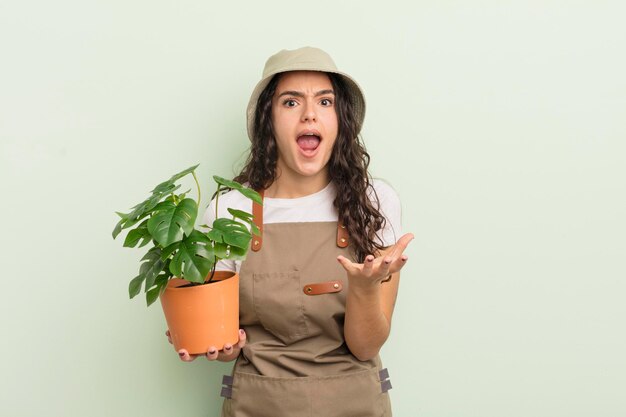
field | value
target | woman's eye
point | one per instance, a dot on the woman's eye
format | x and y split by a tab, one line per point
289	103
326	102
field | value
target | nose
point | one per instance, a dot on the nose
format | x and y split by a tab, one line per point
308	112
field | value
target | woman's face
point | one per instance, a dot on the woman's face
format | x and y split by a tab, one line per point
305	124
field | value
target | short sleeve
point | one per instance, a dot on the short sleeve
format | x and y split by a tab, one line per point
391	209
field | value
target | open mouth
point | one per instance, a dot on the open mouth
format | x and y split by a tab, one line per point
309	141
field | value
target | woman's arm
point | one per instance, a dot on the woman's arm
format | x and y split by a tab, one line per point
371	298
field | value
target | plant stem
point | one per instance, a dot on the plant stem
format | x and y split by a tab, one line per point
197	185
217	197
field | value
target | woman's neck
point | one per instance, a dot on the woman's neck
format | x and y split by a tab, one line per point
285	186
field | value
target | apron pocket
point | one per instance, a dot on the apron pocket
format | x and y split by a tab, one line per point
260	396
279	304
355	394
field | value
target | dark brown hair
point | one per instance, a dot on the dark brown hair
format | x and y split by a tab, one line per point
347	168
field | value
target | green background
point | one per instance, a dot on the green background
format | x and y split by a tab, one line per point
501	124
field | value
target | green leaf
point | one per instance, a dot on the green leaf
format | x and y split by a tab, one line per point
152	266
251	194
255	229
152	295
135	235
246	217
225	251
159	286
133	218
153	200
239	214
214	235
222	250
181	174
247	192
146	207
227	183
146	239
165	185
170	222
162	279
231	232
167	251
237	254
118	228
164	189
135	285
195	258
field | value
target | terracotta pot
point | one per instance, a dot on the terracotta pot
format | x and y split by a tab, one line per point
200	316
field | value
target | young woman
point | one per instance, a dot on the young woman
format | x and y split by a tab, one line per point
317	290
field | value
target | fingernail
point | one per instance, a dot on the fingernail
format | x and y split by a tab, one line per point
227	347
241	332
181	354
211	351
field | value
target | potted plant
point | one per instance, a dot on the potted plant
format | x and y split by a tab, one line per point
201	306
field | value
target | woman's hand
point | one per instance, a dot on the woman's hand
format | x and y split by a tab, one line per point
229	353
370	305
376	270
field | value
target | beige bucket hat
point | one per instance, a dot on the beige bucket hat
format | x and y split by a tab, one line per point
304	59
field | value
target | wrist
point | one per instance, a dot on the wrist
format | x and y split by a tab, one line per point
363	288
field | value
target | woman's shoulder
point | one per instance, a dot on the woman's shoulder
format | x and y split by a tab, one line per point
389	205
384	193
233	199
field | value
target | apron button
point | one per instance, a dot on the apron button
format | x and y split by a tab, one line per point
309	289
336	286
343	240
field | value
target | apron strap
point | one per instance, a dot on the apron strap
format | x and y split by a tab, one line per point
342	235
257	241
257	213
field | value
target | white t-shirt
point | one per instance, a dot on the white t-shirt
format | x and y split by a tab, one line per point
317	207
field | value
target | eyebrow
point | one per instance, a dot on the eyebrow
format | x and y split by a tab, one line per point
300	94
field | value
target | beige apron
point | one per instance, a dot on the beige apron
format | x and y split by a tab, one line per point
292	307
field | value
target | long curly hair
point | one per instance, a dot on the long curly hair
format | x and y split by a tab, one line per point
347	168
